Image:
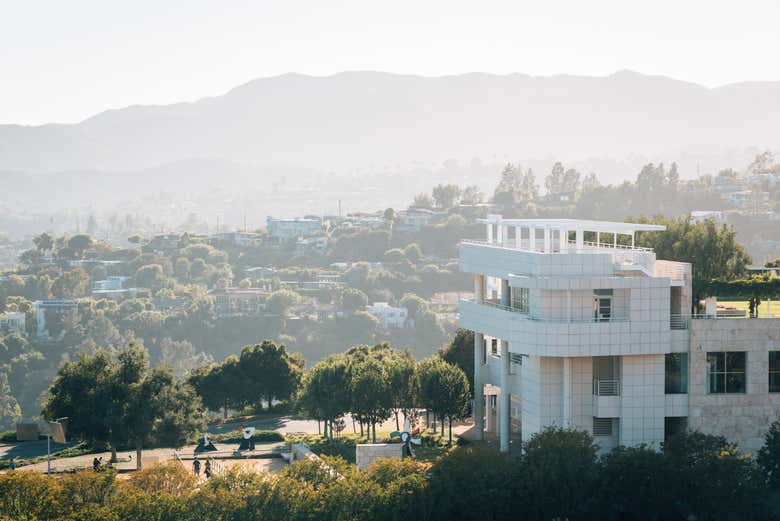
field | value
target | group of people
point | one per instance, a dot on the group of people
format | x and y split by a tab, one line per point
207	471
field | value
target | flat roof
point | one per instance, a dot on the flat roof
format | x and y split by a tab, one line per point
577	224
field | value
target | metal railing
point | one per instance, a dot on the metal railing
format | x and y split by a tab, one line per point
563	320
588	245
606	387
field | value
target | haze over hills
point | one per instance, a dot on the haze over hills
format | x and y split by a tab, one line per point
365	119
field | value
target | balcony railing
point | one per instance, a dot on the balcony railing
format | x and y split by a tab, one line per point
528	316
555	246
606	387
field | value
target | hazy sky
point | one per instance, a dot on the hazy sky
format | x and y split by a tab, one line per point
63	61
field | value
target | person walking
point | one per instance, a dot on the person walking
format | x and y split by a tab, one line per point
96	464
196	466
207	470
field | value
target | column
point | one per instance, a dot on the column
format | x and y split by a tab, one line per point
499	233
503	406
505	301
518	237
547	248
489	232
567	378
479	288
531	238
564	238
479	389
580	240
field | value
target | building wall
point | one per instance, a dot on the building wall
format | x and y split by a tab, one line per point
642	400
541	394
742	418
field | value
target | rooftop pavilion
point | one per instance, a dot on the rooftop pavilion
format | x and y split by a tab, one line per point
555	235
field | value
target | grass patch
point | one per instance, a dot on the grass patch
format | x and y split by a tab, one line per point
8	437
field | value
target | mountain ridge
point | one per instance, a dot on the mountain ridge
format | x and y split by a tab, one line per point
361	118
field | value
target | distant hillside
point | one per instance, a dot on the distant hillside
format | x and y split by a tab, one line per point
370	118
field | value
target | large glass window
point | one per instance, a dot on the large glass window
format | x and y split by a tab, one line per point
519	299
774	371
676	373
726	372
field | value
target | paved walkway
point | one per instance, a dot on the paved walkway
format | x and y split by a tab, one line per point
284	424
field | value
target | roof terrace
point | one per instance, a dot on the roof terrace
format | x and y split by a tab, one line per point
555	235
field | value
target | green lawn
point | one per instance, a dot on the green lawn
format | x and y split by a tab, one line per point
763	308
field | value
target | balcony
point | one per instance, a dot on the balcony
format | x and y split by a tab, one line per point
606	398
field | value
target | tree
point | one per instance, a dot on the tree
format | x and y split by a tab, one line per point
460	352
181	268
326	391
422	201
180	356
445	196
43	242
769	455
219	386
10	412
353	299
557	475
400	369
81	392
443	389
281	300
118	399
71	284
713	250
372	398
79	244
516	187
413	252
472	195
150	276
388	215
270	373
155	408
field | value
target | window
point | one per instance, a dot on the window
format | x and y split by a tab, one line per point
494	347
519	299
726	372
774	371
602	305
602	426
676	373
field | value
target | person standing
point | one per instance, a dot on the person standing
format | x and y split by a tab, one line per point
196	466
207	470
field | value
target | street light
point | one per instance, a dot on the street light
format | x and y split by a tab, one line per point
53	429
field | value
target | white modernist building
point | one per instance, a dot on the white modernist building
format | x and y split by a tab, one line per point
576	326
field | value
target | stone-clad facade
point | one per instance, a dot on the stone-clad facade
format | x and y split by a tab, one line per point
740	417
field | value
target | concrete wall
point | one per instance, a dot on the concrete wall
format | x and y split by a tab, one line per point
742	418
366	453
642	400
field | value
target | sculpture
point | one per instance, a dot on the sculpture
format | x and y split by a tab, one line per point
407	438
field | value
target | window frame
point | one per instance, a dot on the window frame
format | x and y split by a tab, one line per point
773	372
722	371
683	377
